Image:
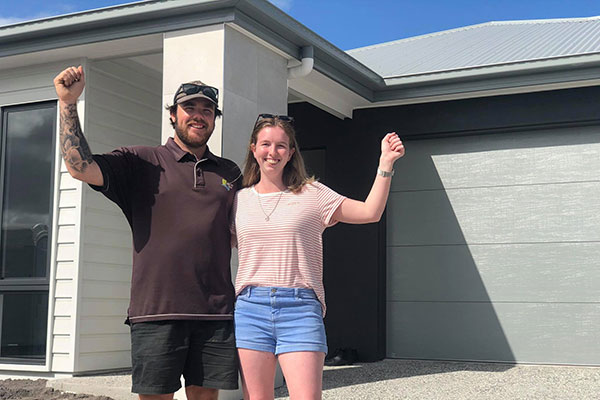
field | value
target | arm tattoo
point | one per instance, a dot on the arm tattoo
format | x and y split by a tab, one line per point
74	147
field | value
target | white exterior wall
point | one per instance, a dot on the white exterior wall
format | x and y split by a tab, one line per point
250	77
255	80
91	255
189	55
30	85
123	108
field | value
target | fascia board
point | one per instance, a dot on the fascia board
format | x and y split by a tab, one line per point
140	10
567	70
76	34
289	47
512	67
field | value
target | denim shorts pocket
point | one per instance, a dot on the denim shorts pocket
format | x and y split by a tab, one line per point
307	294
312	304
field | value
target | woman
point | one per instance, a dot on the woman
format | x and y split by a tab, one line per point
280	216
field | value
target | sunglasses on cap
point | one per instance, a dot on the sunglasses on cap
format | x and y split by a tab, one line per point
285	118
188	91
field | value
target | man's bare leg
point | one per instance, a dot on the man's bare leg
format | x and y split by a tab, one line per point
201	393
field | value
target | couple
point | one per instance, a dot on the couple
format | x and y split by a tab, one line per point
185	207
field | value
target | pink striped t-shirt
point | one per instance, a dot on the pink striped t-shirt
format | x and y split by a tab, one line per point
279	237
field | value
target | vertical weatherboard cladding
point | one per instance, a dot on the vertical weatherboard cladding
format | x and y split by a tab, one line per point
353	267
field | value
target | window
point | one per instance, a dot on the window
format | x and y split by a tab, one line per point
26	184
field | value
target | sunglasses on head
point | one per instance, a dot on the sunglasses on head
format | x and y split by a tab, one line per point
285	118
191	88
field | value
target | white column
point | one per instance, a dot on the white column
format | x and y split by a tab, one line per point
189	55
251	79
255	80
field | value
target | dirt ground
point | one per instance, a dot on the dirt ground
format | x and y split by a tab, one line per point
28	389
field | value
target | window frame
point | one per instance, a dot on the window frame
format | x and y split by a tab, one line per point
33	284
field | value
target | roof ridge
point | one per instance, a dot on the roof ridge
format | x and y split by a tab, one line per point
545	20
474	26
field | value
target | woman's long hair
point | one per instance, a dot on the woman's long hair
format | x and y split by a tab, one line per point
294	172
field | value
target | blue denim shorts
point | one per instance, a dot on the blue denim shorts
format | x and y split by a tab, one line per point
279	320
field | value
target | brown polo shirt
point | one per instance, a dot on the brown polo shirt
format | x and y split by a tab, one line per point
179	210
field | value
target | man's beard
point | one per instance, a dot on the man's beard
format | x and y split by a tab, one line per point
191	142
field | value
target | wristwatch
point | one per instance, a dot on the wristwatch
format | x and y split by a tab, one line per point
385	174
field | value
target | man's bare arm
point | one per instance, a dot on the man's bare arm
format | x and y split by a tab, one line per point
74	148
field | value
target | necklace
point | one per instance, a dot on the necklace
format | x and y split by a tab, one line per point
268	216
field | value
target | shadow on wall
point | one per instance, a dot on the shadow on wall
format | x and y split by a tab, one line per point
438	306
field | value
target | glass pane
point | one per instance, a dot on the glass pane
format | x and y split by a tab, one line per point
28	162
24	324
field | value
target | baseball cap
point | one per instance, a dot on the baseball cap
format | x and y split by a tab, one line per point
194	90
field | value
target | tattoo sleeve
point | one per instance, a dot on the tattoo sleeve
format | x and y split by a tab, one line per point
75	149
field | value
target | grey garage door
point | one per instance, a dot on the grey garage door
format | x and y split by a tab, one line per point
493	248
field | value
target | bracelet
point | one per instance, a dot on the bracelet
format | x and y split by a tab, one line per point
385	174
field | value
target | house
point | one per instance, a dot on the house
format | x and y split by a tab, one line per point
490	246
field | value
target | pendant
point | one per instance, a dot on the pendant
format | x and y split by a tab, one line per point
267	218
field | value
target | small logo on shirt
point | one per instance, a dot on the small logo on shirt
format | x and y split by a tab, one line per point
226	184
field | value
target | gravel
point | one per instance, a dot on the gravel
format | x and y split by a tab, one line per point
404	379
29	389
387	379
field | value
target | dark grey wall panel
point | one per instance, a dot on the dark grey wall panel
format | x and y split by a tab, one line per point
544	272
518	113
555	333
354	298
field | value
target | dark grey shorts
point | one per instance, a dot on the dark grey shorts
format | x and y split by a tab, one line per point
202	351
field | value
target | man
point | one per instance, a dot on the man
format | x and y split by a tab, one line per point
177	199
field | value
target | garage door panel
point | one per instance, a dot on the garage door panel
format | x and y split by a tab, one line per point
547	272
515	214
550	156
415	218
536	333
493	247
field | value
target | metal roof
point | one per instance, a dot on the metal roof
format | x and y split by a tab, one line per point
483	45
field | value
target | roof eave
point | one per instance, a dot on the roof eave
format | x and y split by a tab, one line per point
125	21
143	18
282	31
279	29
533	73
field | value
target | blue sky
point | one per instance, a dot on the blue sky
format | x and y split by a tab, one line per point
355	23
